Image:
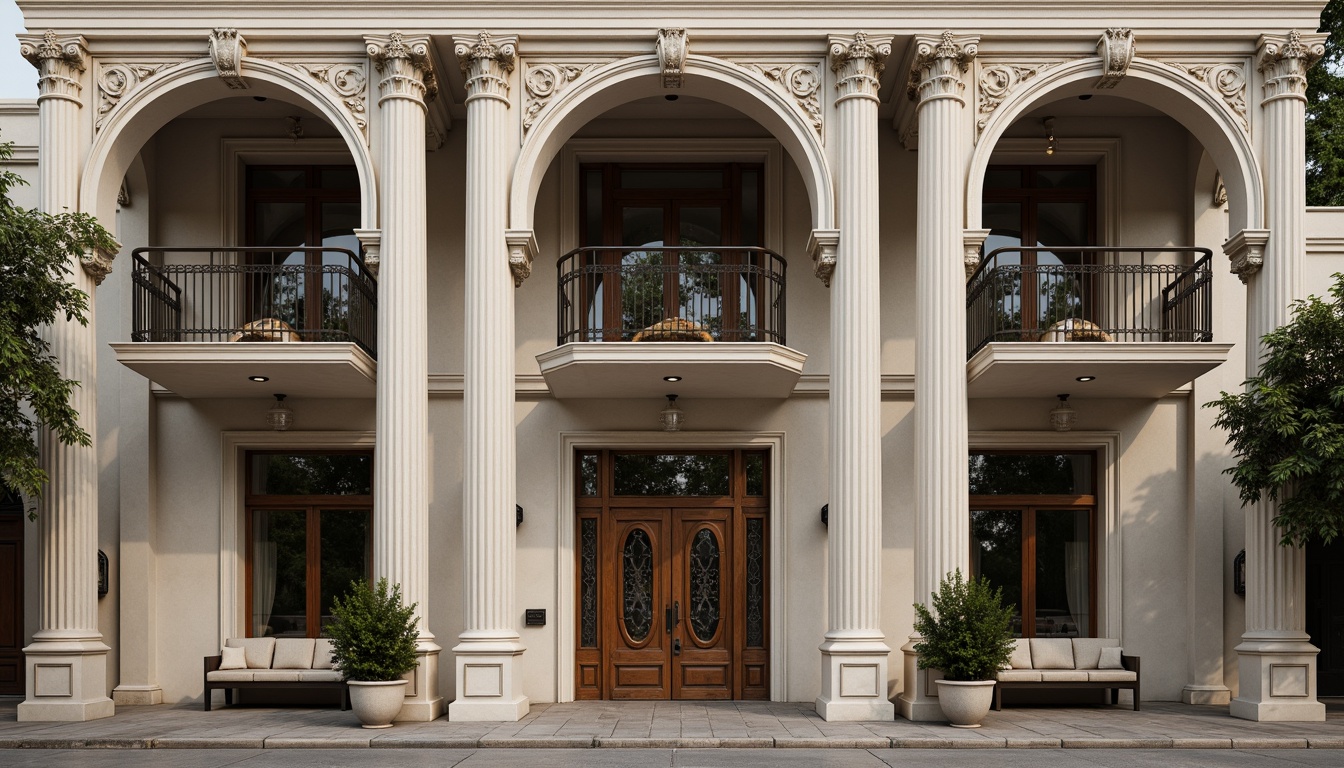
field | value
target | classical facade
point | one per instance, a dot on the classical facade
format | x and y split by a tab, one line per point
841	301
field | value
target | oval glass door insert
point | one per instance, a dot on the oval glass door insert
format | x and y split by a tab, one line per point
637	578
704	573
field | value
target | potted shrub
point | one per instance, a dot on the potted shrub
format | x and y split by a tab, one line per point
373	644
968	637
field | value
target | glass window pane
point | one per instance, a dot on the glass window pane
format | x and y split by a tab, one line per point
755	582
281	224
755	474
751	209
592	199
996	554
671	474
1031	473
1061	223
261	177
346	543
339	221
672	179
1064	178
588	480
704	599
1004	222
588	583
1003	178
1063	573
345	177
279	573
335	474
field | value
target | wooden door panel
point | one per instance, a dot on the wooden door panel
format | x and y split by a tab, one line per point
702	578
11	604
637	632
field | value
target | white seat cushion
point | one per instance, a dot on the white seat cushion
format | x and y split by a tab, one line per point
230	676
293	653
1064	676
320	675
259	650
1051	653
1019	675
232	658
1021	658
276	676
1087	650
322	654
1110	658
1111	676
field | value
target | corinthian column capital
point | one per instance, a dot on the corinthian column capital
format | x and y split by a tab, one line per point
939	64
487	62
1284	61
406	67
857	63
59	61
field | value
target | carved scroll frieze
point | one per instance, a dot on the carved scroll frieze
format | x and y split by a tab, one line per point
542	82
800	82
347	82
1227	81
227	49
118	80
1116	49
997	81
672	44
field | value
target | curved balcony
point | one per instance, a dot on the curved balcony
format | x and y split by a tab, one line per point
646	321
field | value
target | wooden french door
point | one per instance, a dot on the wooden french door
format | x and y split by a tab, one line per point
672	591
11	593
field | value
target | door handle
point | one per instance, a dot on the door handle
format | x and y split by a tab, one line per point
676	613
667	621
676	647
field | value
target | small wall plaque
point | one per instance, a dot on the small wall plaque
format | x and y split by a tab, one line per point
536	617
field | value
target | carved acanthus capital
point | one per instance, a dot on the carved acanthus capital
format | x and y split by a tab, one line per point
522	252
972	240
487	62
821	246
406	67
59	61
672	49
97	264
858	63
1284	61
939	64
1246	249
1116	49
227	49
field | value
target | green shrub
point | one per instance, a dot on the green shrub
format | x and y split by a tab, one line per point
968	634
372	633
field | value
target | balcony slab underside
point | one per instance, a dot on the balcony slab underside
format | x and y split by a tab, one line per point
636	369
1122	369
327	369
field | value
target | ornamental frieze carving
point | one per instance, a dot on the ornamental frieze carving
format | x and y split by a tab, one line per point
227	49
672	51
997	81
542	82
118	80
347	82
1116	49
800	82
1226	81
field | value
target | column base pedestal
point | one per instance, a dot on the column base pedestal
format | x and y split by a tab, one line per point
1218	695
66	679
854	680
487	682
1278	679
423	703
918	701
137	695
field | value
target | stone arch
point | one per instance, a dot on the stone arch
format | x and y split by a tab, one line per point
188	85
1160	86
640	76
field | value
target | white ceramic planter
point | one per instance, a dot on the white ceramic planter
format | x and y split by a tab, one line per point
965	702
377	704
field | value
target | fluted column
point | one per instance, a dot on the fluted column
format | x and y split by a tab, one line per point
942	524
488	687
66	664
401	461
854	654
1276	658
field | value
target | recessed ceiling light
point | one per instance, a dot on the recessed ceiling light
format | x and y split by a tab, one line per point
1085	97
672	378
1085	378
671	97
258	379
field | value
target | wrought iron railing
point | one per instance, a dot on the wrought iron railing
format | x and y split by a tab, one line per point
253	294
1090	294
671	294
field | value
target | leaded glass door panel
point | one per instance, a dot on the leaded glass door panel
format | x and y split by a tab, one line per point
702	657
636	615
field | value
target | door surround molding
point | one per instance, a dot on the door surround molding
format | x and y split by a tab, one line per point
566	537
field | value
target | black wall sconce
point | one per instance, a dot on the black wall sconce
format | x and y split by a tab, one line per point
826	515
102	574
518	510
1239	573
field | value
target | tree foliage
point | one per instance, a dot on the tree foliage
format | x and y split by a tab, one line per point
1325	114
1287	427
36	250
968	634
372	633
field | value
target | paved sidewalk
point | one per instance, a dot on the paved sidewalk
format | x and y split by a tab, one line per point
674	725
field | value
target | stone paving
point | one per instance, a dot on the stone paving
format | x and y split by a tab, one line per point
674	725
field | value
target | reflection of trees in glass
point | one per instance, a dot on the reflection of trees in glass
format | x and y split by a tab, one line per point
698	277
1060	298
1030	473
641	289
288	531
313	474
671	475
997	539
345	538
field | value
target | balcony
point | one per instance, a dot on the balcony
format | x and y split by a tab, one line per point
710	319
1136	320
209	322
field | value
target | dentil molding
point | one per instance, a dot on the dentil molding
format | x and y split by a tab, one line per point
227	49
800	82
1226	81
543	81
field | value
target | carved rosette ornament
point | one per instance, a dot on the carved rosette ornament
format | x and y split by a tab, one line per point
346	81
1284	62
227	49
999	80
939	64
1228	81
487	64
543	82
801	82
97	264
1116	49
59	61
404	63
672	48
117	81
857	64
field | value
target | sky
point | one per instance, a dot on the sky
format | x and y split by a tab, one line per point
18	79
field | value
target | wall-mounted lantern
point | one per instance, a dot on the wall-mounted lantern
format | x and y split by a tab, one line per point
826	515
1239	573
103	569
518	511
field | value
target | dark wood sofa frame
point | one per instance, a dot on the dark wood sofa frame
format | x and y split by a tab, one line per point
212	664
1130	663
